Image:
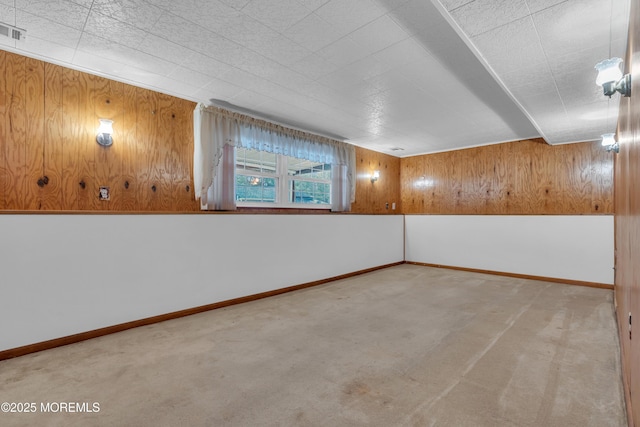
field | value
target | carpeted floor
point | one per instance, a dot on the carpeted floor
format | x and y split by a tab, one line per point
403	346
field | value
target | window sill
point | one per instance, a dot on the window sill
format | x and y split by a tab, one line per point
281	206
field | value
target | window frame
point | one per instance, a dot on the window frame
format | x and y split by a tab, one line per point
282	178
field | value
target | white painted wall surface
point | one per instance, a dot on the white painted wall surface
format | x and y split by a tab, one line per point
563	247
65	274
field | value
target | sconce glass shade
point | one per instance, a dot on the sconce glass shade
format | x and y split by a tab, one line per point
105	131
609	142
608	139
608	71
375	175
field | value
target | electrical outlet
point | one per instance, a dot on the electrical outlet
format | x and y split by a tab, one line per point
104	193
386	206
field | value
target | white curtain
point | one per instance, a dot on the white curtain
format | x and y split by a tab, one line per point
218	131
214	159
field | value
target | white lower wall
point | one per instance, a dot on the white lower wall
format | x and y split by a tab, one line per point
65	274
563	247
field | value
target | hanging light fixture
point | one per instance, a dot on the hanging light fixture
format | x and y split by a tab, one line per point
611	79
609	142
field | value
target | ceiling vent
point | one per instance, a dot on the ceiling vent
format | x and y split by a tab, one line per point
11	32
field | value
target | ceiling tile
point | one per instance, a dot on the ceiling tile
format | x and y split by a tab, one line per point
377	35
313	32
44	29
100	64
194	78
538	5
248	32
454	4
61	11
368	67
137	13
114	51
278	15
342	52
210	14
314	66
84	3
111	29
538	73
511	46
403	52
349	15
47	48
8	14
170	86
313	4
561	28
282	50
179	31
217	89
250	99
165	49
483	15
289	79
236	4
203	64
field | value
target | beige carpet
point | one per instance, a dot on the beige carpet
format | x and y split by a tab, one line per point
403	346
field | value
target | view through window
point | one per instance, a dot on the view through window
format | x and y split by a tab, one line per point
267	179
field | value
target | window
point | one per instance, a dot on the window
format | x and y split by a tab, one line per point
275	180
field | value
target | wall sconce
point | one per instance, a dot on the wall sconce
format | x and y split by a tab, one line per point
105	132
611	79
609	142
374	176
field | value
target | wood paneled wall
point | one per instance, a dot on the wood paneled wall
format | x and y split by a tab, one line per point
627	223
377	197
49	159
522	177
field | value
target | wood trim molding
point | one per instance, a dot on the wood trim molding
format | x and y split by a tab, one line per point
519	276
82	336
239	211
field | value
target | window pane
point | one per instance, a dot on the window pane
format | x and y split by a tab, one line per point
309	192
251	188
256	161
308	169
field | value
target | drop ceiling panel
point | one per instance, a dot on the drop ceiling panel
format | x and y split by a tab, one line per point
128	12
279	15
44	29
545	58
479	16
421	75
63	12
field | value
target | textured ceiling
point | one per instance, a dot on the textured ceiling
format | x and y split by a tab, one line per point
423	76
543	53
